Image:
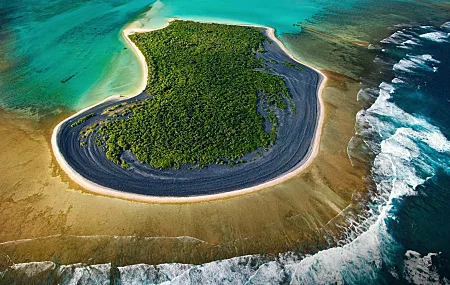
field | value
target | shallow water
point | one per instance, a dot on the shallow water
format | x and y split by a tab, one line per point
67	56
58	53
400	238
404	240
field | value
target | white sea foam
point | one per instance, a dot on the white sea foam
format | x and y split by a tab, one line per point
395	172
405	65
401	39
367	94
446	26
420	269
232	271
397	38
428	57
414	62
362	258
85	274
404	144
423	59
436	36
397	81
410	42
31	269
151	274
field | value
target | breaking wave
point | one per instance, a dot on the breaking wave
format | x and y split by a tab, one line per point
436	36
408	150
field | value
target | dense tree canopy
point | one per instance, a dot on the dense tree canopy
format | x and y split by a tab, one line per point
206	83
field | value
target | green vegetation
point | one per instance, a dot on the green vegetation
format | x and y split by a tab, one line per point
125	165
292	108
273	61
291	65
86	131
83	119
206	81
111	109
273	132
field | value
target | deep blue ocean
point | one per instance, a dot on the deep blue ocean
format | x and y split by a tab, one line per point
404	236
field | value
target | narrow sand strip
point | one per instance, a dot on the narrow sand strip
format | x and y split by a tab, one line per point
99	189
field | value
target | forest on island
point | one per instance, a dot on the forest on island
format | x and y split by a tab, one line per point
206	83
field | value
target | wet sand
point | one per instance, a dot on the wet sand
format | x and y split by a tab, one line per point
45	216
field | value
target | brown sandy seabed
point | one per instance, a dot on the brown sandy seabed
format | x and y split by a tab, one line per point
45	216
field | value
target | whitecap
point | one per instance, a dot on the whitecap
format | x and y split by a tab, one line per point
424	58
436	36
413	62
394	38
410	42
398	38
404	65
31	269
85	274
420	270
446	26
230	271
151	274
397	81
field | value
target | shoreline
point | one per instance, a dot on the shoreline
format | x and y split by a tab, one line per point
95	188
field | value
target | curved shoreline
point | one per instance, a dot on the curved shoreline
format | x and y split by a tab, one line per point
95	188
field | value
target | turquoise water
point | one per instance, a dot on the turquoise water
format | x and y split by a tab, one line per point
278	14
66	56
404	240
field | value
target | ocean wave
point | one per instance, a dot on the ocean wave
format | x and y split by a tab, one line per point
151	274
397	81
405	65
408	38
414	62
32	269
400	154
82	274
446	26
397	38
436	36
408	150
422	269
404	39
410	42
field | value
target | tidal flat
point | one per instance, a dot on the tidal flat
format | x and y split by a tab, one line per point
47	217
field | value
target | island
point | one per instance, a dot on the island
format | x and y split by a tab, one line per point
226	110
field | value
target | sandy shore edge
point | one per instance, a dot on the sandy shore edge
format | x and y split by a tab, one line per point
102	190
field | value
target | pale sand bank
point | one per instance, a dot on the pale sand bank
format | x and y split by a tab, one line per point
102	190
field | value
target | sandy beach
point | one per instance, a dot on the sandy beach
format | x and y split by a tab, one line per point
51	217
102	190
47	216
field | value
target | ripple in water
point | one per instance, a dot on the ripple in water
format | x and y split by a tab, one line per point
406	131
